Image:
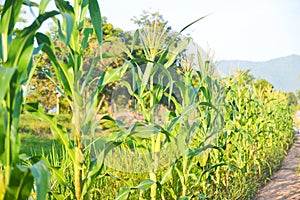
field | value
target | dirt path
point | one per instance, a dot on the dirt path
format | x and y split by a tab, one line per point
285	183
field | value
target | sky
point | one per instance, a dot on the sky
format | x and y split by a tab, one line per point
255	30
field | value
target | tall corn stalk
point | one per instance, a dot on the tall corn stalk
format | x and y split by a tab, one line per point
73	84
148	89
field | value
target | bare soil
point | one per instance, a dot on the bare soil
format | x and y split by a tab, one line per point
284	183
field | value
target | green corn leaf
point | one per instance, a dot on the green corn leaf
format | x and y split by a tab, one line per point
163	56
66	75
58	173
144	131
59	30
61	69
145	48
21	56
20	186
174	55
39	21
9	16
170	82
147	73
67	12
58	196
144	185
91	68
30	3
87	32
96	19
184	198
43	5
43	39
41	176
182	88
180	174
172	193
104	147
190	24
213	167
167	175
134	40
64	6
112	75
31	68
14	136
128	86
178	106
69	24
197	151
25	56
84	7
201	196
5	77
205	93
185	112
123	193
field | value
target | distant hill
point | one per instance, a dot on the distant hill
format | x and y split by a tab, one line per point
283	73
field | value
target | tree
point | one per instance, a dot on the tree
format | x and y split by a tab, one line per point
41	89
298	94
44	91
263	84
292	99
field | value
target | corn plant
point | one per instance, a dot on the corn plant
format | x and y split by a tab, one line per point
247	133
73	84
16	68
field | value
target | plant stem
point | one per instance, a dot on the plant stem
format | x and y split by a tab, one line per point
156	145
7	144
78	155
185	175
153	177
4	46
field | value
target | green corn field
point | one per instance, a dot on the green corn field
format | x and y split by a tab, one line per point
188	133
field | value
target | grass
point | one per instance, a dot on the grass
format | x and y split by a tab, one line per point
36	144
36	137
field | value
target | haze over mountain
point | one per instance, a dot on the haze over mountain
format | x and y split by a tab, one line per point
283	73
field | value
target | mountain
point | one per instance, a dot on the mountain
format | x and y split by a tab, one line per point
283	73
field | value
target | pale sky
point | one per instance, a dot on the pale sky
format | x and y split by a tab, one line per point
255	30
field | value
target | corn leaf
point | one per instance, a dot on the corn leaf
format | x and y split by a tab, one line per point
41	176
9	16
20	185
5	77
144	185
96	19
112	75
123	193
